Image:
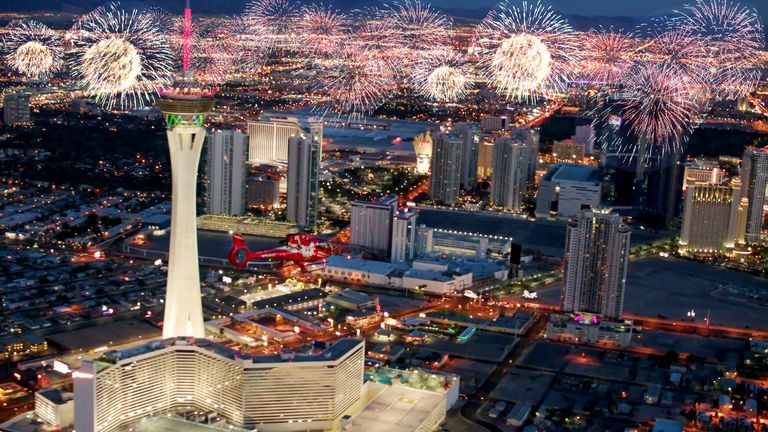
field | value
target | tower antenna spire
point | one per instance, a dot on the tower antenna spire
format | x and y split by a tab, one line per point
185	45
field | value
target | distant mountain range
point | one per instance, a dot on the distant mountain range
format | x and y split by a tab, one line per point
229	7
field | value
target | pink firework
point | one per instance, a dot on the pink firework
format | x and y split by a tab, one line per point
320	30
733	37
686	52
660	106
608	55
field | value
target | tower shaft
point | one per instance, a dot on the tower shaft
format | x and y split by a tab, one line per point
183	304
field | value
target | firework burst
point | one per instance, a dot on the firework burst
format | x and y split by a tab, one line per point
274	20
120	56
357	80
660	107
415	26
526	50
320	30
213	53
442	75
672	44
250	45
607	55
32	49
733	37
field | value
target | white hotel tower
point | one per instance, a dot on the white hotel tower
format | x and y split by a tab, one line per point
185	108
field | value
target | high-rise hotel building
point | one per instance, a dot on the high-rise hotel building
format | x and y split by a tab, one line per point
512	157
226	171
302	199
404	230
371	224
754	178
596	256
714	218
268	137
16	108
270	393
447	154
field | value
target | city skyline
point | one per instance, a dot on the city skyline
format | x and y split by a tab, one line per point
356	216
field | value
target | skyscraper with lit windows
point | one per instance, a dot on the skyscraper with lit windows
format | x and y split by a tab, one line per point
510	172
304	155
595	268
226	171
754	178
447	154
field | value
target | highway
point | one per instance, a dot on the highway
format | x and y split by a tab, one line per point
701	329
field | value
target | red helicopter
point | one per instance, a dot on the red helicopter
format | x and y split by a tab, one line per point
300	249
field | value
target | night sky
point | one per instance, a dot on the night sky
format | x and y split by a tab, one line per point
632	8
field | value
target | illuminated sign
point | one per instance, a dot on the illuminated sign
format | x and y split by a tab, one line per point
83	375
61	367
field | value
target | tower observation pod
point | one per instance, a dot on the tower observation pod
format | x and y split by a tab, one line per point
185	107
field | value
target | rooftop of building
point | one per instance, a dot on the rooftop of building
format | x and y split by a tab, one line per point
406	214
351	296
462	265
576	173
164	423
363	265
294	297
56	396
332	353
397	408
364	133
427	275
385	201
589	319
515	321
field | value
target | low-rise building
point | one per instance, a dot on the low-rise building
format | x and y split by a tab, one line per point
352	300
299	300
263	192
19	345
55	407
568	150
589	329
566	189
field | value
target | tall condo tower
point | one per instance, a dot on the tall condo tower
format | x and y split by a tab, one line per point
596	256
754	179
510	172
304	155
447	153
185	107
